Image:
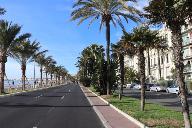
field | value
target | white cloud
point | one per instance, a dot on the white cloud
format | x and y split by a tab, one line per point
140	4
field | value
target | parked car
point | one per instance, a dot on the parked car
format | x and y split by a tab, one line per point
157	88
124	86
173	89
148	85
137	86
128	86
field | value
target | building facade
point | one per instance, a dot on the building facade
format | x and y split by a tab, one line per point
166	67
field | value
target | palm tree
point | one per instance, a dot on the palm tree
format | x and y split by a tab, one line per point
8	39
120	53
51	70
140	40
40	59
2	11
160	48
148	63
175	14
50	62
107	11
23	54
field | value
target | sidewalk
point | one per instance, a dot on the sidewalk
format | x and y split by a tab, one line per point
109	116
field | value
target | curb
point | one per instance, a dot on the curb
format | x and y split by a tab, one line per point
121	112
23	92
103	120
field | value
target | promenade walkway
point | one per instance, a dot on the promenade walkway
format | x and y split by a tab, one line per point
109	116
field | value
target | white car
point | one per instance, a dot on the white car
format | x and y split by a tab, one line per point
128	86
157	88
137	86
173	89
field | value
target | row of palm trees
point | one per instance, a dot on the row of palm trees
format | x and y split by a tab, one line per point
136	44
23	50
173	13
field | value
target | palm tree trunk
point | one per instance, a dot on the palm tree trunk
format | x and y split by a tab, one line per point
179	66
41	73
108	55
23	68
46	78
121	59
56	79
59	80
148	64
159	65
51	79
2	74
141	64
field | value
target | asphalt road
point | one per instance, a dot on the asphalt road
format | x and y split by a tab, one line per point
166	99
60	107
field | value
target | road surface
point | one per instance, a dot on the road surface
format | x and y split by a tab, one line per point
60	107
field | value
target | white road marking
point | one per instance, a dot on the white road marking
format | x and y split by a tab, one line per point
51	109
62	97
69	90
34	127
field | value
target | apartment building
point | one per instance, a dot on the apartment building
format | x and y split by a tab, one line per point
165	57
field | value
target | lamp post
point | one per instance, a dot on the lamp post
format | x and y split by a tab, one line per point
34	81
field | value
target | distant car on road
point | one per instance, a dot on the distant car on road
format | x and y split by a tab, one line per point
157	88
173	89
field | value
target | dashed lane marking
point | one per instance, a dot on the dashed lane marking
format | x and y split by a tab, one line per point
51	109
62	97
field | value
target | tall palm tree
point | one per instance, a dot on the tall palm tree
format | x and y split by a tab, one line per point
107	11
40	59
148	63
51	70
49	61
175	14
119	51
140	40
8	39
24	53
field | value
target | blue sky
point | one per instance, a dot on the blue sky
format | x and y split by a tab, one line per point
49	23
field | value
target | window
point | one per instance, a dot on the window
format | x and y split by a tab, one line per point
167	58
154	62
151	62
166	38
186	52
185	38
161	59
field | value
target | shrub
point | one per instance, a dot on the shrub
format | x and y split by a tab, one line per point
163	83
